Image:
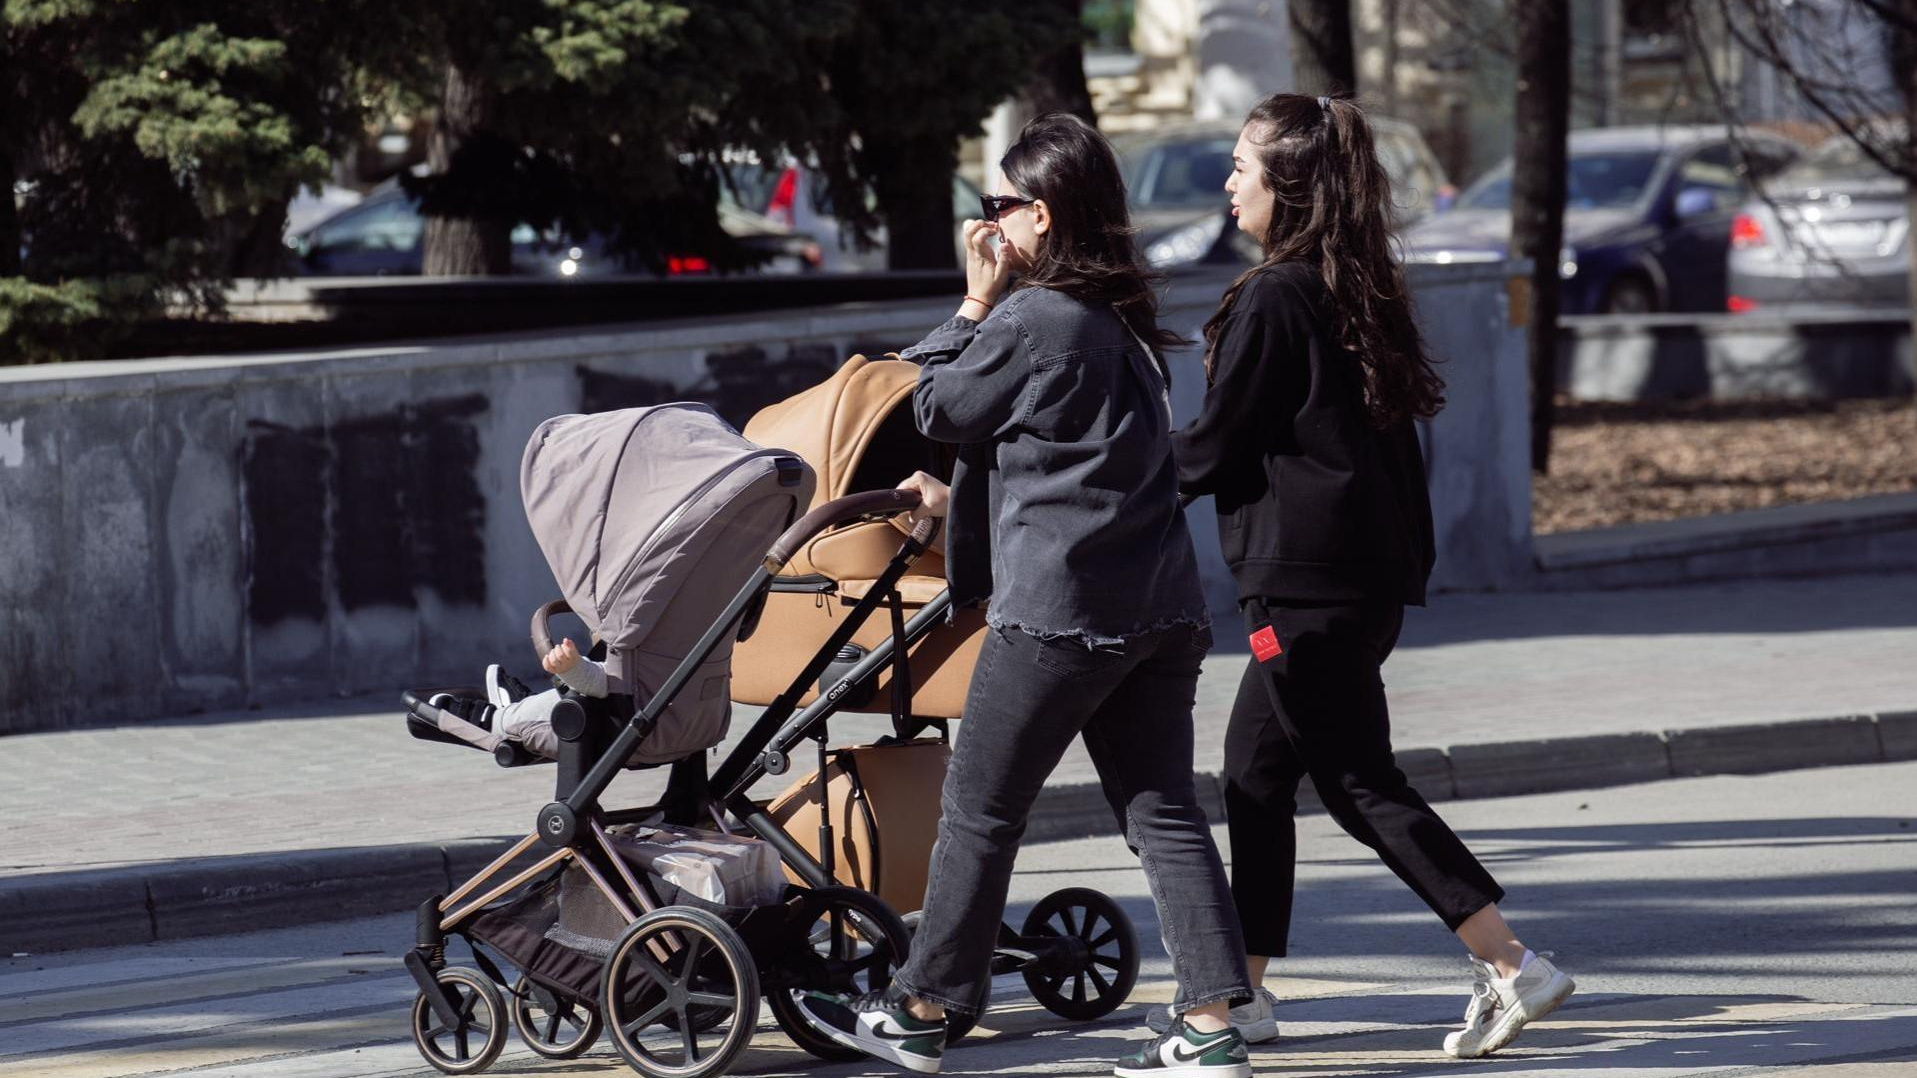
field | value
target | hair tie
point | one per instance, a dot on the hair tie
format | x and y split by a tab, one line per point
1324	102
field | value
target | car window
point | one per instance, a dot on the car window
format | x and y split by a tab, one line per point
1174	174
1841	158
750	185
390	225
1601	180
1413	179
1713	168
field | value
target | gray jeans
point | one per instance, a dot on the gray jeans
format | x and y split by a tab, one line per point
1029	697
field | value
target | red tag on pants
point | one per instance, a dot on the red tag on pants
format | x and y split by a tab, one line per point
1265	646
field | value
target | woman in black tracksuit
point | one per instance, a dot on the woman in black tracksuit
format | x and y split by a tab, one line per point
1308	444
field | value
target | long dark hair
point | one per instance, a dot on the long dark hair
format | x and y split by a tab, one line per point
1089	253
1332	209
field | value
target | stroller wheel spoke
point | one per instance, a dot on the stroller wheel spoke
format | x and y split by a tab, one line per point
694	950
711	999
1071	922
1098	979
552	1027
1105	937
1091	924
633	1027
460	1051
691	1038
1106	961
644	963
1078	988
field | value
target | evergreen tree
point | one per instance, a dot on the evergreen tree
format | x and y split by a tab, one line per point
154	147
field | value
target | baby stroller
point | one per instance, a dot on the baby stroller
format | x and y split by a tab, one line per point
649	518
867	815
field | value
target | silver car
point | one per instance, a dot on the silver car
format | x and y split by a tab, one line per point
1176	176
1835	230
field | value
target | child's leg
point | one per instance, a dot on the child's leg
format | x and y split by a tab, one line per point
529	722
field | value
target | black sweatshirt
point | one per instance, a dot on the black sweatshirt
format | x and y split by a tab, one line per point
1315	504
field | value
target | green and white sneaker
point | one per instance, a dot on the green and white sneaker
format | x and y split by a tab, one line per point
1182	1052
1500	1008
1255	1020
878	1024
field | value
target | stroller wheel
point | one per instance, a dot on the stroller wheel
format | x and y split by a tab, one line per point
680	994
1096	973
857	942
471	1044
551	1025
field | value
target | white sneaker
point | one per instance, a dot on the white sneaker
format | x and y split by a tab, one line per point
1500	1008
503	689
1254	1021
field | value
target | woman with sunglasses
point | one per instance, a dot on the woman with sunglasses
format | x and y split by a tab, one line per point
1306	439
1063	511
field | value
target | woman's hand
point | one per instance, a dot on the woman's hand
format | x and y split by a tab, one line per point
561	658
986	270
934	497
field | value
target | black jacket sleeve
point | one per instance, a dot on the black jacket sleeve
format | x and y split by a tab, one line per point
1260	368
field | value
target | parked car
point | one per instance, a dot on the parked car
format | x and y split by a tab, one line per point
1647	216
1833	229
1176	180
381	236
795	197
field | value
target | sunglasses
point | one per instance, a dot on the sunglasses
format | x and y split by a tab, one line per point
996	206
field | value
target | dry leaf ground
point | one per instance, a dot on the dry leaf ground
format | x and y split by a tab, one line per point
1626	463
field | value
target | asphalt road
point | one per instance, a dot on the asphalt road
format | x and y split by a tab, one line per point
1722	926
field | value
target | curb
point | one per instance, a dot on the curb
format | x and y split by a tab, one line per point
212	896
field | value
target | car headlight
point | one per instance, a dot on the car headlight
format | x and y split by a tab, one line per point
1567	263
1186	244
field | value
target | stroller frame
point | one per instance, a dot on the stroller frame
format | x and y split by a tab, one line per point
1057	951
571	829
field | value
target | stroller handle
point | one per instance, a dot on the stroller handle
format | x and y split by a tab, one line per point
871	505
542	623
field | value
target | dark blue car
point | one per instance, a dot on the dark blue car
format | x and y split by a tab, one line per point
1647	217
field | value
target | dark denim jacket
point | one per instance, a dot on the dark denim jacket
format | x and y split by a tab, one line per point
1065	500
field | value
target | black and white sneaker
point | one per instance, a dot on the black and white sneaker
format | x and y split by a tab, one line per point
478	712
1183	1052
502	688
878	1024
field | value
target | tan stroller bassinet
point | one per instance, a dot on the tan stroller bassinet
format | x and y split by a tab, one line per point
856	430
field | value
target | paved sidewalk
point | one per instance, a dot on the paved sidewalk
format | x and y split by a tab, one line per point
1472	670
1718	928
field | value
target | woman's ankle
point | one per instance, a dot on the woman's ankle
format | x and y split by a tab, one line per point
924	1010
1211	1018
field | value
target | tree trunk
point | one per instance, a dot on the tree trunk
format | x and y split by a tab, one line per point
1322	58
1058	79
915	196
1542	119
260	248
9	218
1389	100
1904	60
463	245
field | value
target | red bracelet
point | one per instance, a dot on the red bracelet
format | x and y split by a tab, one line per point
980	302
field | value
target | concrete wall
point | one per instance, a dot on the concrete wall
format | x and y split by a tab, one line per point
188	534
1728	357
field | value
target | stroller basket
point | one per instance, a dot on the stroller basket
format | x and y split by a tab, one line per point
562	930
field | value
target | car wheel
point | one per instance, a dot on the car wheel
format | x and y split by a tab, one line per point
1630	294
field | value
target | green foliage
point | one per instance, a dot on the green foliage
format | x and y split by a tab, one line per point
155	143
45	323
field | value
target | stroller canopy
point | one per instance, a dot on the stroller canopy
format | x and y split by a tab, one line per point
652	519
